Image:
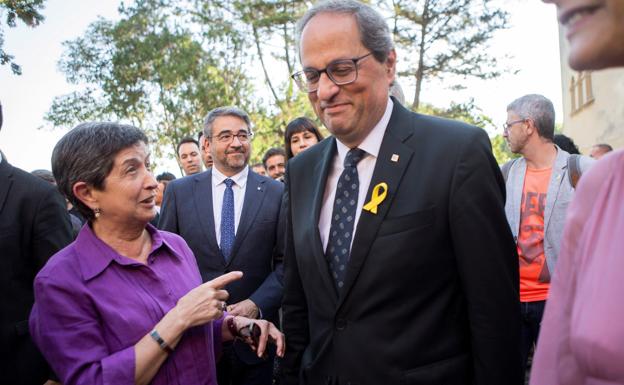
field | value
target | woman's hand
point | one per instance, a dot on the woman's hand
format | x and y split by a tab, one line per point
206	302
257	333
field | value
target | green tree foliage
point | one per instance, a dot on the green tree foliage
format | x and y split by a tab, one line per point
270	127
466	112
471	114
165	63
444	39
28	11
149	68
501	150
270	28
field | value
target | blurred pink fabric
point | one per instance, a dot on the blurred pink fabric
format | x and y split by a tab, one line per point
582	332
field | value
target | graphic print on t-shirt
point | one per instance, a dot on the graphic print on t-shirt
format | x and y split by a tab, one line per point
534	274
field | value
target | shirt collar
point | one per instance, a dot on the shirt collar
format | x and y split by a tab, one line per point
94	255
239	179
372	143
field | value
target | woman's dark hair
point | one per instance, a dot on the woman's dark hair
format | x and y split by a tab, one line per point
87	154
566	144
296	126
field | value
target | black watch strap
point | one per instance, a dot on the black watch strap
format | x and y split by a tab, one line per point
163	345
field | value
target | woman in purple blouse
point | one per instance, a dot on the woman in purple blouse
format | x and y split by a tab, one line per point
124	303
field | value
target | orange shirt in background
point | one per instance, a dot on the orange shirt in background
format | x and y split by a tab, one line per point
534	274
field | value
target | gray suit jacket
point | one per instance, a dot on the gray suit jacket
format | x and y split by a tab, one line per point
559	196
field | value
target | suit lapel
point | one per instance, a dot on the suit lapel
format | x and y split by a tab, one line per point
202	193
387	171
5	181
556	178
321	170
516	199
254	196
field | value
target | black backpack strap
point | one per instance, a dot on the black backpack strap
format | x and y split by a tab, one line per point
574	169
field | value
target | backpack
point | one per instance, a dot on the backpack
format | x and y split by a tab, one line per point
574	169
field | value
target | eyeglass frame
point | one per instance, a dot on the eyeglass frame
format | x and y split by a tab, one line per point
507	126
354	60
249	135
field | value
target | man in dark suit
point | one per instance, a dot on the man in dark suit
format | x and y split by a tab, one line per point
229	216
400	267
34	225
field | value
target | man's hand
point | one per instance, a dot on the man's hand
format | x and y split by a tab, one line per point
258	334
244	308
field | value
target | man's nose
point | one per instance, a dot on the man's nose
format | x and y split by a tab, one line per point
326	88
236	143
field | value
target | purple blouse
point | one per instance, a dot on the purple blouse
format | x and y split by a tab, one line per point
93	305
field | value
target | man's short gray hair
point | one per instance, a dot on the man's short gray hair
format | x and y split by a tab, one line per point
374	32
539	109
224	111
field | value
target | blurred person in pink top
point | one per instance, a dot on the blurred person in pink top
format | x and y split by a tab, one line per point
582	338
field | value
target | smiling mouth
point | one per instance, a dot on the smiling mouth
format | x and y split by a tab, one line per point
334	107
151	199
570	17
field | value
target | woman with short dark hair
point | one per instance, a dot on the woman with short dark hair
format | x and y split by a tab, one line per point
301	134
124	303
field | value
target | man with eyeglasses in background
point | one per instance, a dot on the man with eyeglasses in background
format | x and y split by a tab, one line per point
400	267
539	188
229	216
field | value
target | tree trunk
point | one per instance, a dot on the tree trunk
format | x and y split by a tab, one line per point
420	71
266	74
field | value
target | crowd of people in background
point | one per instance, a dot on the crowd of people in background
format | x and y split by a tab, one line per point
394	251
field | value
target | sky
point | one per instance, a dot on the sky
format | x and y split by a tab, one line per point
27	139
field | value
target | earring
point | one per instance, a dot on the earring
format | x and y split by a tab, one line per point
97	212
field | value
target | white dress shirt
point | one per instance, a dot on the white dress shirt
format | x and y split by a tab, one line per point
218	188
365	168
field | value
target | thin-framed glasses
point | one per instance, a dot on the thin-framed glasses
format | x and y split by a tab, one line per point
507	126
227	137
341	72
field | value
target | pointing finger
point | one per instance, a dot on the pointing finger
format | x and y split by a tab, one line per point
225	279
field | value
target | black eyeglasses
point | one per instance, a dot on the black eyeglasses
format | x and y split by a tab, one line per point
227	137
507	126
341	72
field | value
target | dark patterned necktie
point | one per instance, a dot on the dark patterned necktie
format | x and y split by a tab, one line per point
227	219
343	217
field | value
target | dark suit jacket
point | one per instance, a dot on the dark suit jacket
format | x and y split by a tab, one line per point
34	224
258	247
431	290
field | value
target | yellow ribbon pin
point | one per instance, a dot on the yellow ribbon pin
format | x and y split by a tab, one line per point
377	197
